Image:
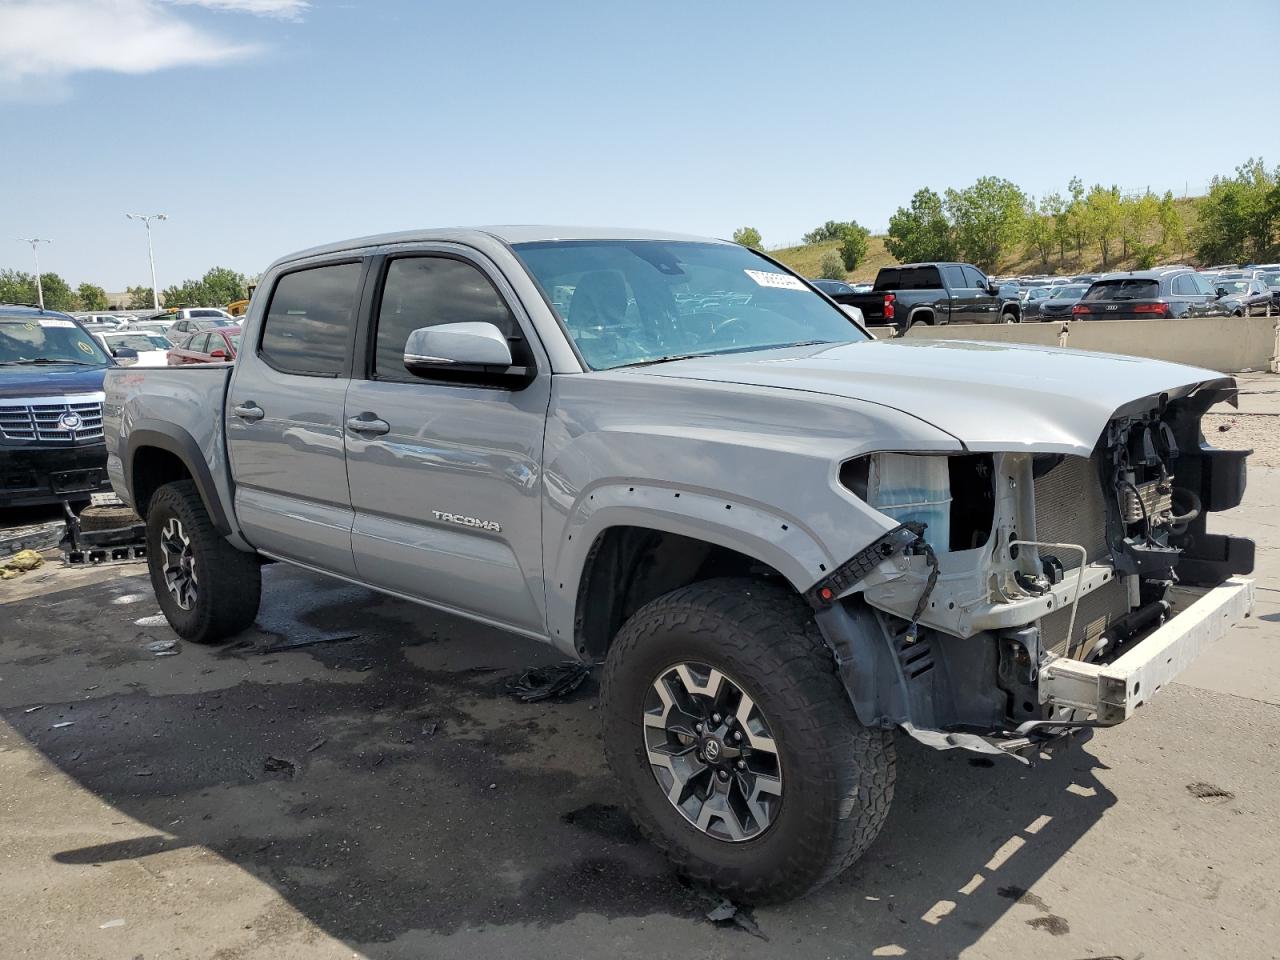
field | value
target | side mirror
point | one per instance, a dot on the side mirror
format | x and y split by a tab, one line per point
1222	292
218	354
469	350
993	288
125	353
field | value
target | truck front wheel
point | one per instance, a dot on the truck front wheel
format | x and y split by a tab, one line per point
735	745
208	590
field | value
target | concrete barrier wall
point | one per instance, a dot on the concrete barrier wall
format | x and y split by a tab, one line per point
1229	344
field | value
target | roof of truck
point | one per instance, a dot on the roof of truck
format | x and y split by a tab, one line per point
511	234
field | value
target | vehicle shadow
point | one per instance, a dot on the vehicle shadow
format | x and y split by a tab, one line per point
359	755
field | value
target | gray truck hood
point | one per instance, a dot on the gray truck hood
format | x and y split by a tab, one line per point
989	396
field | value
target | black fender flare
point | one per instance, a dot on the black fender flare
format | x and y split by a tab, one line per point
177	441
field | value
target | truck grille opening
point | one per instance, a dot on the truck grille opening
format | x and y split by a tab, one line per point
55	420
1070	509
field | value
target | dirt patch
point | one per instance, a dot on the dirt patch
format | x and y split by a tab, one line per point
1050	924
1246	431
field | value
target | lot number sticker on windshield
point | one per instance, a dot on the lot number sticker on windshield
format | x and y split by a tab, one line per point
84	347
56	323
779	281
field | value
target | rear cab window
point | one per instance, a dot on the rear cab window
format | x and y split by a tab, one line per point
908	278
310	320
1123	289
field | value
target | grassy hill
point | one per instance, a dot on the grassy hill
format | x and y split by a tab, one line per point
807	259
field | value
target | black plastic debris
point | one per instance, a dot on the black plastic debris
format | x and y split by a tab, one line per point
543	683
726	913
279	765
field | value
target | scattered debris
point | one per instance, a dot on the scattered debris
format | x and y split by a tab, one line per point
20	563
1051	924
110	924
161	647
279	765
1224	427
308	641
317	745
142	773
543	683
64	723
1207	791
727	913
158	620
34	709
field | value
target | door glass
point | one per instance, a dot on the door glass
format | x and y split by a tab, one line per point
310	320
1184	286
954	277
200	343
973	278
425	291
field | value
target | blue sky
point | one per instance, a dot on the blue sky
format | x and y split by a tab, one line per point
264	126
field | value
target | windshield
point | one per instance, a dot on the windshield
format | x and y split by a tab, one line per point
1234	286
1071	292
1271	279
641	301
137	341
47	340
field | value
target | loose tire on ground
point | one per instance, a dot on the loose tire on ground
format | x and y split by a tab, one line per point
227	581
837	776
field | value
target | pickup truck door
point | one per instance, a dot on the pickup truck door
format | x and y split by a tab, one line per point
446	475
284	418
981	305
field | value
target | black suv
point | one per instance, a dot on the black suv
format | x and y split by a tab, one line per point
1150	295
51	445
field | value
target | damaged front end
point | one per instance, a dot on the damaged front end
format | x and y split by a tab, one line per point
1024	594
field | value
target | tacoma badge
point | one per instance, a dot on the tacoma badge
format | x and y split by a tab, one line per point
462	521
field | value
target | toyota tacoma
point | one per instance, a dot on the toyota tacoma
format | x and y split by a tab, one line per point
786	542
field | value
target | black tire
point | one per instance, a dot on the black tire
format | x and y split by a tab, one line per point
837	776
1010	316
227	583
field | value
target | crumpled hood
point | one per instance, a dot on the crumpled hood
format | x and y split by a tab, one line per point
989	396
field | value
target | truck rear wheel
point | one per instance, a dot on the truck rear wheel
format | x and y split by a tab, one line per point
208	590
735	745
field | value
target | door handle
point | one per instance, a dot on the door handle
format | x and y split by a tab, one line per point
368	423
249	411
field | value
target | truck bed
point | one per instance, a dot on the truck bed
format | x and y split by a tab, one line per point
183	405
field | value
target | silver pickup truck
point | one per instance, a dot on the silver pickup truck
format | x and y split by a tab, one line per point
786	541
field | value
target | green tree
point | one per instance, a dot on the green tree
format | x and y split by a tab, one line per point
921	233
832	266
139	298
853	245
189	293
748	237
831	230
222	286
17	287
58	294
91	297
1173	233
1077	214
1054	208
1039	230
989	219
1103	217
1238	220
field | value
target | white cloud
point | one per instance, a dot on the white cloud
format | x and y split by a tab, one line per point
43	42
283	9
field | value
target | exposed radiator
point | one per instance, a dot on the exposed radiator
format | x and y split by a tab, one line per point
1097	612
1070	509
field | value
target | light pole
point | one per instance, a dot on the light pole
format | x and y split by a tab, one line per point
35	252
151	255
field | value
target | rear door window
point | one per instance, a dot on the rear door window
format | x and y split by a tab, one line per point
1128	289
954	276
1185	286
310	320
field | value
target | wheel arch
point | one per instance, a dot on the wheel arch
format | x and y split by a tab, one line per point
622	551
160	454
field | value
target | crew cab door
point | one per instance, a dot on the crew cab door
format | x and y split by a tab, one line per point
284	418
981	305
445	475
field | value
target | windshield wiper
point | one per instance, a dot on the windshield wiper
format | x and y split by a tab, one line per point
40	360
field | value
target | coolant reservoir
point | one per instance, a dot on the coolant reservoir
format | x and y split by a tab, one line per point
913	488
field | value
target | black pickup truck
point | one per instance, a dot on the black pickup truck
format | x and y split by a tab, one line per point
935	293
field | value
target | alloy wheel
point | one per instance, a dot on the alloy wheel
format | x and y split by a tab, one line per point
712	752
179	563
